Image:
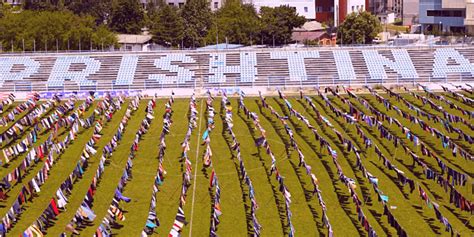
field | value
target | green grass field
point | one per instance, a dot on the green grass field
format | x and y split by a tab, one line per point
412	213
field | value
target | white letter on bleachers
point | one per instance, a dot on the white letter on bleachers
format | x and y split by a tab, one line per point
441	67
61	70
402	64
164	63
127	69
296	66
6	66
345	69
246	68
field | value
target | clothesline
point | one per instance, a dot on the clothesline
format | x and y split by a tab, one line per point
28	119
377	121
41	151
33	186
350	147
8	101
403	179
457	95
180	220
350	183
60	198
54	120
445	140
229	124
213	180
302	162
28	106
262	142
152	219
85	212
115	212
444	100
455	197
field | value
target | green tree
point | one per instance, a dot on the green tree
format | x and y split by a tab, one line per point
127	17
359	28
44	5
197	17
236	22
151	12
101	10
167	26
52	30
278	24
37	5
3	9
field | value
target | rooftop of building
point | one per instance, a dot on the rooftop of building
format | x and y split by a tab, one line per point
133	39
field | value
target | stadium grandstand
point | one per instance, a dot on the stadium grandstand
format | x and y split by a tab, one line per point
234	68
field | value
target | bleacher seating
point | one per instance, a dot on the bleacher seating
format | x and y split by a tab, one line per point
63	70
179	74
401	63
234	68
345	68
219	68
8	72
442	65
127	70
296	62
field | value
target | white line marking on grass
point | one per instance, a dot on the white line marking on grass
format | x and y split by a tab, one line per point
195	170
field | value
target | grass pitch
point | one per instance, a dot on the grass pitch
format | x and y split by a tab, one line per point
412	213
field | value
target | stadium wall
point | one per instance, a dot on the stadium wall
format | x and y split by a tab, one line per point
260	69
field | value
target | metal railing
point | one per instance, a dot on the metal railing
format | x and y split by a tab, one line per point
242	49
267	82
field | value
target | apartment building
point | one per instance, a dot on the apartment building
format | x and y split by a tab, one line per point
447	15
325	9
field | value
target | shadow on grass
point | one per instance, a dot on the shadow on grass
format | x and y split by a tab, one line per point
451	98
308	194
279	203
342	197
245	195
431	221
463	219
392	177
441	115
420	176
423	137
363	185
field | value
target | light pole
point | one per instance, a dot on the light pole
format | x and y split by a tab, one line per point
441	27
